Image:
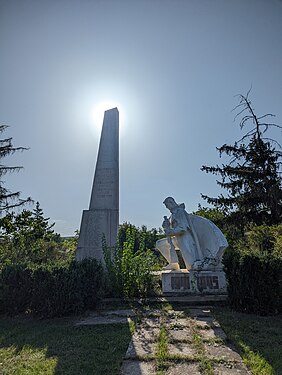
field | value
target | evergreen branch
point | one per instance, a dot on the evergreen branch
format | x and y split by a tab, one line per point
20	202
3	128
248	134
274	141
5	169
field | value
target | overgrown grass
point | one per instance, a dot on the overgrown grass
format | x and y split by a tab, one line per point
258	339
162	351
57	347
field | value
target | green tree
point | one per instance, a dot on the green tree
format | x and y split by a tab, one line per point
29	238
252	177
9	199
40	226
142	238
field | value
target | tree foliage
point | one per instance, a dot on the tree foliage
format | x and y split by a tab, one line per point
143	238
28	238
9	199
252	177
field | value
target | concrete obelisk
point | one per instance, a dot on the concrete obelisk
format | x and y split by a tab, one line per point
103	214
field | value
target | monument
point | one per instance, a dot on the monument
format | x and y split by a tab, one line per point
102	217
201	244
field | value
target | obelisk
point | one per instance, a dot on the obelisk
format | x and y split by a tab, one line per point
102	218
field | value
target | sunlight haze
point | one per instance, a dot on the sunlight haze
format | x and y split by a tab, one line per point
171	67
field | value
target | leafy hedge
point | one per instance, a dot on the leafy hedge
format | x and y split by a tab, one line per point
254	281
50	292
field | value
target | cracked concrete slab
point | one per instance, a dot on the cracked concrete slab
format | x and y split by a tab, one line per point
183	368
181	349
238	369
222	351
137	368
138	349
184	355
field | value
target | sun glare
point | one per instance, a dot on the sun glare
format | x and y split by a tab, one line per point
98	112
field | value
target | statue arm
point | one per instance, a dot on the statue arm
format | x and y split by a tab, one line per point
180	224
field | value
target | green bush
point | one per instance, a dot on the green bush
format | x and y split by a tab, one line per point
15	289
50	292
254	271
129	271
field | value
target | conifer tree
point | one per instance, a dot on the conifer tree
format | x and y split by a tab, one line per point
41	227
252	178
9	199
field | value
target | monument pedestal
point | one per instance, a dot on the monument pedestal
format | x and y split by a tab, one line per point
94	225
193	282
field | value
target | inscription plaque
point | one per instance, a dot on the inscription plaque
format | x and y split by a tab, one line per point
193	282
181	282
207	282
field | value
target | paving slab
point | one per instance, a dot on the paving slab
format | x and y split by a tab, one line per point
138	349
178	323
183	369
200	312
183	334
150	334
222	351
151	322
238	369
209	320
181	349
212	333
177	313
137	368
180	326
201	324
152	313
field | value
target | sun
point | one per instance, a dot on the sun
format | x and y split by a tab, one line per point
97	113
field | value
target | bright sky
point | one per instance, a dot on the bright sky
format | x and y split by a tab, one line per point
172	67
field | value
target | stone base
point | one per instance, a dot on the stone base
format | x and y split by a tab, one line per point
95	224
193	282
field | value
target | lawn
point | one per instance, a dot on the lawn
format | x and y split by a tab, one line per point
57	347
257	338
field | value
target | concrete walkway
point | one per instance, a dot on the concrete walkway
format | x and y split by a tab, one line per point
192	343
174	342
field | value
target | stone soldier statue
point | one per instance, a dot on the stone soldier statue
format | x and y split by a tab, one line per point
200	241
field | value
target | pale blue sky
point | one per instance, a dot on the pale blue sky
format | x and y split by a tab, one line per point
173	67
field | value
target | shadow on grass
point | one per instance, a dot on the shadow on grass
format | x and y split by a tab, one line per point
58	347
258	339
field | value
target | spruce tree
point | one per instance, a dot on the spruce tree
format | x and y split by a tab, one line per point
9	199
252	178
40	225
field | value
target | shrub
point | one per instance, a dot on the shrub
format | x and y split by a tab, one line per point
50	292
129	271
254	271
15	289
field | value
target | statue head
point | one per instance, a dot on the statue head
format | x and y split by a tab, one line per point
170	203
